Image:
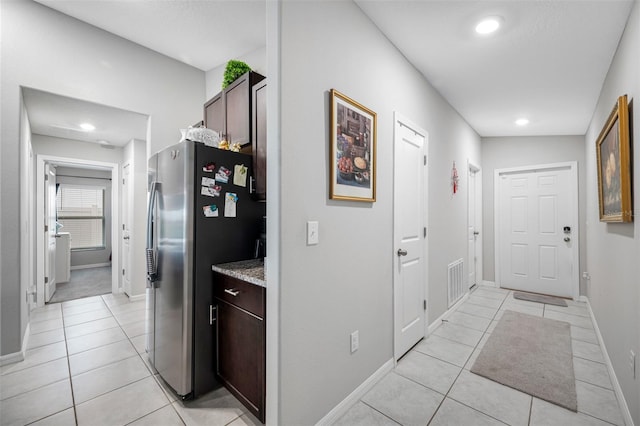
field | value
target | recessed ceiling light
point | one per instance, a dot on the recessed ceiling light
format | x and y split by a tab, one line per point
88	127
488	25
522	121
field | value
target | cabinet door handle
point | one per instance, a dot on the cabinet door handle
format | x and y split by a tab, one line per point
212	314
231	291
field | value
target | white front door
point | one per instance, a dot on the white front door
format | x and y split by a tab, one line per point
50	232
472	231
126	228
538	247
409	234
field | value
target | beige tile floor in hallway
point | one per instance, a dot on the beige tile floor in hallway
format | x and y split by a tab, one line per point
432	384
85	365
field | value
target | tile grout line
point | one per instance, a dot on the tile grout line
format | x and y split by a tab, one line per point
73	398
446	395
151	373
373	408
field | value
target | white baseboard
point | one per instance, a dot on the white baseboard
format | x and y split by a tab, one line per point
355	396
626	414
489	283
137	297
95	265
448	312
17	356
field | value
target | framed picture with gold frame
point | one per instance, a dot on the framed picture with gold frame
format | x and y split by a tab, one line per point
614	166
353	150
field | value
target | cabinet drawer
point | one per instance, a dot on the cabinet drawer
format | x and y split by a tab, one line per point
242	294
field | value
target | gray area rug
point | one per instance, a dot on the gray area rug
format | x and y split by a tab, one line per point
84	283
533	355
540	298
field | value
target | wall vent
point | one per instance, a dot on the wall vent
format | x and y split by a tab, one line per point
455	281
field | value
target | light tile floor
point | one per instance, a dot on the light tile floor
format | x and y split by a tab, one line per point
432	384
85	365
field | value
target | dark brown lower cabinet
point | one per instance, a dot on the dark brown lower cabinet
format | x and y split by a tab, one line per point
241	344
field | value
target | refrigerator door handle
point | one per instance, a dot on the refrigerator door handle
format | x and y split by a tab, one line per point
150	251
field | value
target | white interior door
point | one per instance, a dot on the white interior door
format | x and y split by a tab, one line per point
50	232
409	229
126	228
538	231
472	231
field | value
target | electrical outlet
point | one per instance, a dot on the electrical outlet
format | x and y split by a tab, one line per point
632	363
355	341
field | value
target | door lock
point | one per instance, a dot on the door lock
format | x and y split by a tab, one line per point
567	239
402	252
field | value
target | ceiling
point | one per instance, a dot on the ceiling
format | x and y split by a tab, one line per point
60	117
547	62
200	33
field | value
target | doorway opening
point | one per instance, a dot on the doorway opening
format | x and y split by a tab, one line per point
537	229
79	210
409	234
474	224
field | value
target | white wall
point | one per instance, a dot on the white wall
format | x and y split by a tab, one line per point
613	257
135	154
345	283
505	152
50	51
257	60
74	149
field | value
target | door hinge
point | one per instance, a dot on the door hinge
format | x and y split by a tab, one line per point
424	304
425	160
46	280
123	181
123	271
212	314
123	226
46	228
425	231
46	177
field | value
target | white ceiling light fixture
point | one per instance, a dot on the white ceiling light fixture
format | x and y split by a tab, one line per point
522	121
87	127
488	25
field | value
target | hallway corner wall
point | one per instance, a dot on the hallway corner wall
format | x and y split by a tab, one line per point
72	58
614	248
345	283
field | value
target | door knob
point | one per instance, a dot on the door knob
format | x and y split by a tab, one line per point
567	239
402	252
126	237
476	233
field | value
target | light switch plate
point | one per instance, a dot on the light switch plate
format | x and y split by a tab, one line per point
312	233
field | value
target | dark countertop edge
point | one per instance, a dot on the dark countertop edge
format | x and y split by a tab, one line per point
237	271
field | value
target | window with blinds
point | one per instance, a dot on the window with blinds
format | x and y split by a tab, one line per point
81	211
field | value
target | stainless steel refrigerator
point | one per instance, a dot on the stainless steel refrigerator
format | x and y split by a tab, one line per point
193	222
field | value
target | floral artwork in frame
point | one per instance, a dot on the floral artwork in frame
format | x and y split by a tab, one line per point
614	166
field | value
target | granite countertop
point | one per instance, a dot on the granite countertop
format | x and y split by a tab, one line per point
251	271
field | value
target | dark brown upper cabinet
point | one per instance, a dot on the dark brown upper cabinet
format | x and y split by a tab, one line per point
259	139
229	111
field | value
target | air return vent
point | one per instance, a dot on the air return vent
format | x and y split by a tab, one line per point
455	282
